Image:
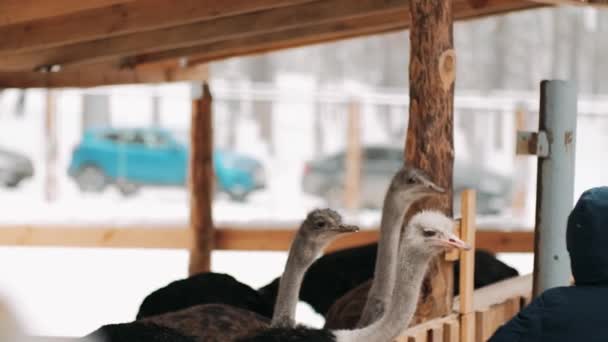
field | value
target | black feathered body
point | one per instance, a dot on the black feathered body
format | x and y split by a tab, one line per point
205	288
298	334
138	331
201	323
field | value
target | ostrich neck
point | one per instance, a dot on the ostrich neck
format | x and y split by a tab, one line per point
412	267
386	258
302	254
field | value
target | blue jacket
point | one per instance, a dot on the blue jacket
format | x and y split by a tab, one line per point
580	312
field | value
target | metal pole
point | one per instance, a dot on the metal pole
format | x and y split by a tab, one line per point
555	183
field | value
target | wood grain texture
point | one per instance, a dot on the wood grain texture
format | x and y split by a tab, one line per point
198	33
201	183
98	75
429	143
122	18
467	266
178	237
18	11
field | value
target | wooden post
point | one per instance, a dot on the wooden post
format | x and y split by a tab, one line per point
353	156
50	180
467	266
429	143
201	182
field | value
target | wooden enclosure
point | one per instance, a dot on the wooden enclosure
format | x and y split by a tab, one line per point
74	43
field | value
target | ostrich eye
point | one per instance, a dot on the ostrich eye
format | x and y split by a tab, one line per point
411	180
321	224
429	233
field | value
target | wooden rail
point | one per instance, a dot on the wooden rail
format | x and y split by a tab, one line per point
226	238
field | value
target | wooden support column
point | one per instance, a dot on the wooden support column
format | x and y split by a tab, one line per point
353	157
50	135
429	143
201	182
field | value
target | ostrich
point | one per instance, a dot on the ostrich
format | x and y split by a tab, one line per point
407	186
427	234
220	322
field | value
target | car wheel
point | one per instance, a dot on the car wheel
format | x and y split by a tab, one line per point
127	189
12	183
91	179
238	194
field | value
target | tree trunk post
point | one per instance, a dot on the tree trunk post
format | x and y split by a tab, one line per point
201	182
353	156
429	142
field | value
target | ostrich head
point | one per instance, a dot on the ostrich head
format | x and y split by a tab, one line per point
325	224
431	232
412	183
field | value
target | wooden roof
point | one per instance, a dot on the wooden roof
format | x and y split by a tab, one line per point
75	43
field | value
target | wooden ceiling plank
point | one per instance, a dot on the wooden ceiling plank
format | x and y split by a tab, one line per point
297	37
300	36
19	11
130	17
197	33
93	77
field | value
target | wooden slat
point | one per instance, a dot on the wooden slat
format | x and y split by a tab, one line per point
423	329
513	241
92	76
197	33
451	331
467	266
17	11
487	296
135	16
227	237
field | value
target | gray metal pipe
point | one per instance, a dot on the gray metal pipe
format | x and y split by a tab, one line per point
555	184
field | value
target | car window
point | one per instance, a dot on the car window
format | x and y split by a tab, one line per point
113	137
151	139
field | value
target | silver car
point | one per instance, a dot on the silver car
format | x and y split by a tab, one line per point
324	177
14	168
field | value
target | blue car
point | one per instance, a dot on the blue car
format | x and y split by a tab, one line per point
132	157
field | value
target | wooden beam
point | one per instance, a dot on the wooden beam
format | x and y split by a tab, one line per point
197	33
130	17
226	238
396	20
352	186
18	11
506	241
92	76
289	38
201	182
429	142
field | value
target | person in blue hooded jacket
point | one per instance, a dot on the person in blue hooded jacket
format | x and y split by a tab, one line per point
579	312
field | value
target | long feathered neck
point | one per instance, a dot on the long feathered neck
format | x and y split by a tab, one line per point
381	290
302	254
413	263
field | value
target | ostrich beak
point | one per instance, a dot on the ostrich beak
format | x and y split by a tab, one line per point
452	241
347	228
